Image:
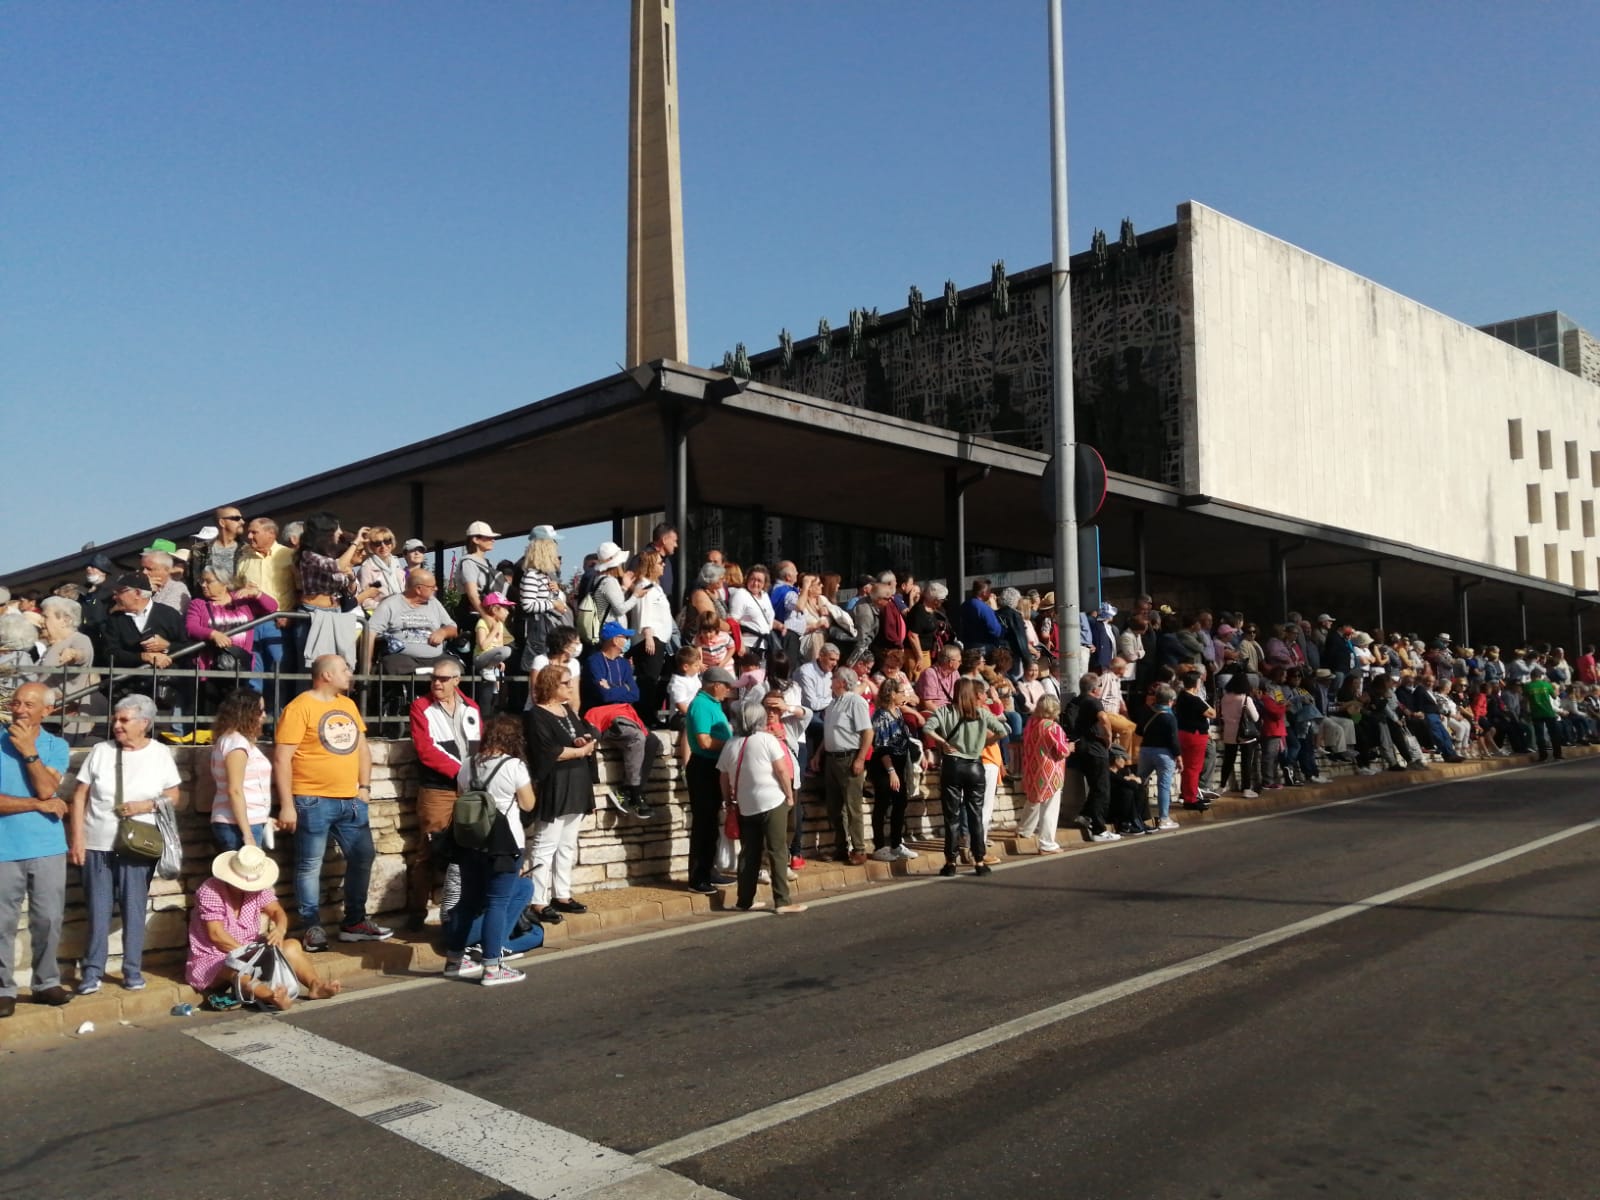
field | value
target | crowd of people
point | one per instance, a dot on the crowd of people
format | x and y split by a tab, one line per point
771	676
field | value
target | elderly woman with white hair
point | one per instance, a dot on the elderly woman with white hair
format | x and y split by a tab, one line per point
927	628
125	778
66	665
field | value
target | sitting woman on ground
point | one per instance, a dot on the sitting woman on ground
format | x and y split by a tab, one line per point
241	772
1241	735
226	942
127	776
961	731
1044	757
561	748
889	770
489	874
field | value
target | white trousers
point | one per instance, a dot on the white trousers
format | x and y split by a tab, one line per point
552	854
1338	734
991	786
1040	820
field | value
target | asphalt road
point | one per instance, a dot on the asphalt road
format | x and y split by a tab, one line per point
1442	1045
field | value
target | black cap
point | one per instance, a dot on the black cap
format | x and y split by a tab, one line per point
102	563
137	580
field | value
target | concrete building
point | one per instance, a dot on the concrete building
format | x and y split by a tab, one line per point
1246	374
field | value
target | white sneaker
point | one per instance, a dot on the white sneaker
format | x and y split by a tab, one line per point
1250	793
1366	770
1321	779
467	968
883	854
433	918
495	976
1106	836
1166	823
905	853
763	876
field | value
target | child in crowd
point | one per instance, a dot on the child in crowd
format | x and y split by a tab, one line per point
749	666
682	687
715	642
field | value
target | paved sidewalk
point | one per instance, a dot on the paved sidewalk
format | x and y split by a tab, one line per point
618	912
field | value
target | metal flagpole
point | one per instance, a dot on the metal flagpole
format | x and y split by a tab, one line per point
1066	531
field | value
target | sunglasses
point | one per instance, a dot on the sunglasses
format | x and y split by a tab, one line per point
383	542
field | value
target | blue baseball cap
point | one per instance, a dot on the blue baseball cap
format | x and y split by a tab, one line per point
612	629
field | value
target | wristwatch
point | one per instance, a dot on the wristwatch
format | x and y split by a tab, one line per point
30	759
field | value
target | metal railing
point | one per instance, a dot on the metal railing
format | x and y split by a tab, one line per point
187	693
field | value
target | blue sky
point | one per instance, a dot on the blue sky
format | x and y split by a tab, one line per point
247	242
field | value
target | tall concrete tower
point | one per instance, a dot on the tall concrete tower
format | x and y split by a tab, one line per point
658	325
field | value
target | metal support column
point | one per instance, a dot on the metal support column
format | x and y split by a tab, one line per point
677	502
419	512
1377	590
955	536
617	517
1464	609
438	566
1278	557
1141	577
1522	610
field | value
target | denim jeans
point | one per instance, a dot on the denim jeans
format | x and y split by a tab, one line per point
484	894
517	899
228	837
1442	741
109	876
1153	758
316	817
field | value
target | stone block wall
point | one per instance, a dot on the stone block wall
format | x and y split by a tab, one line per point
614	850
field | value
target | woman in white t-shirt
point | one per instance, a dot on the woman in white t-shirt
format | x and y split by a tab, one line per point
758	773
241	772
147	776
489	875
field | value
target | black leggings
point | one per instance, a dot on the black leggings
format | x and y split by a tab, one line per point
1250	768
961	790
889	803
1096	772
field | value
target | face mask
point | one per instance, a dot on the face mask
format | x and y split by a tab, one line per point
95	578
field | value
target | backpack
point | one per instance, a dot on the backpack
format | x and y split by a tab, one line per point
588	622
476	813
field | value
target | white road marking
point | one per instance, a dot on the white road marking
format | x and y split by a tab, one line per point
710	1138
718	920
508	1147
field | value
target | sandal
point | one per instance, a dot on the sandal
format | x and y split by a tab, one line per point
221	1002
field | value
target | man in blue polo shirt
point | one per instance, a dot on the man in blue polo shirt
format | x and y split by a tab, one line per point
33	846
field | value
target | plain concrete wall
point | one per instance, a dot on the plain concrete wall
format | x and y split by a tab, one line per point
1325	396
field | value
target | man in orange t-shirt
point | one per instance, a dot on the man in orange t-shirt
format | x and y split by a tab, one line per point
322	770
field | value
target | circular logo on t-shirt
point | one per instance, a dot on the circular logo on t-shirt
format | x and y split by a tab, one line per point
338	732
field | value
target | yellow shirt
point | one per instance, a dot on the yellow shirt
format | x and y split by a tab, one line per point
325	734
274	574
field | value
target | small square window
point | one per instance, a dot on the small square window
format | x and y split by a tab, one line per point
1546	455
1535	504
1586	508
1552	562
1563	512
1578	561
1521	544
1572	460
1514	430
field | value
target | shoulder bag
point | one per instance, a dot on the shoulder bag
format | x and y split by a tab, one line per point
135	838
